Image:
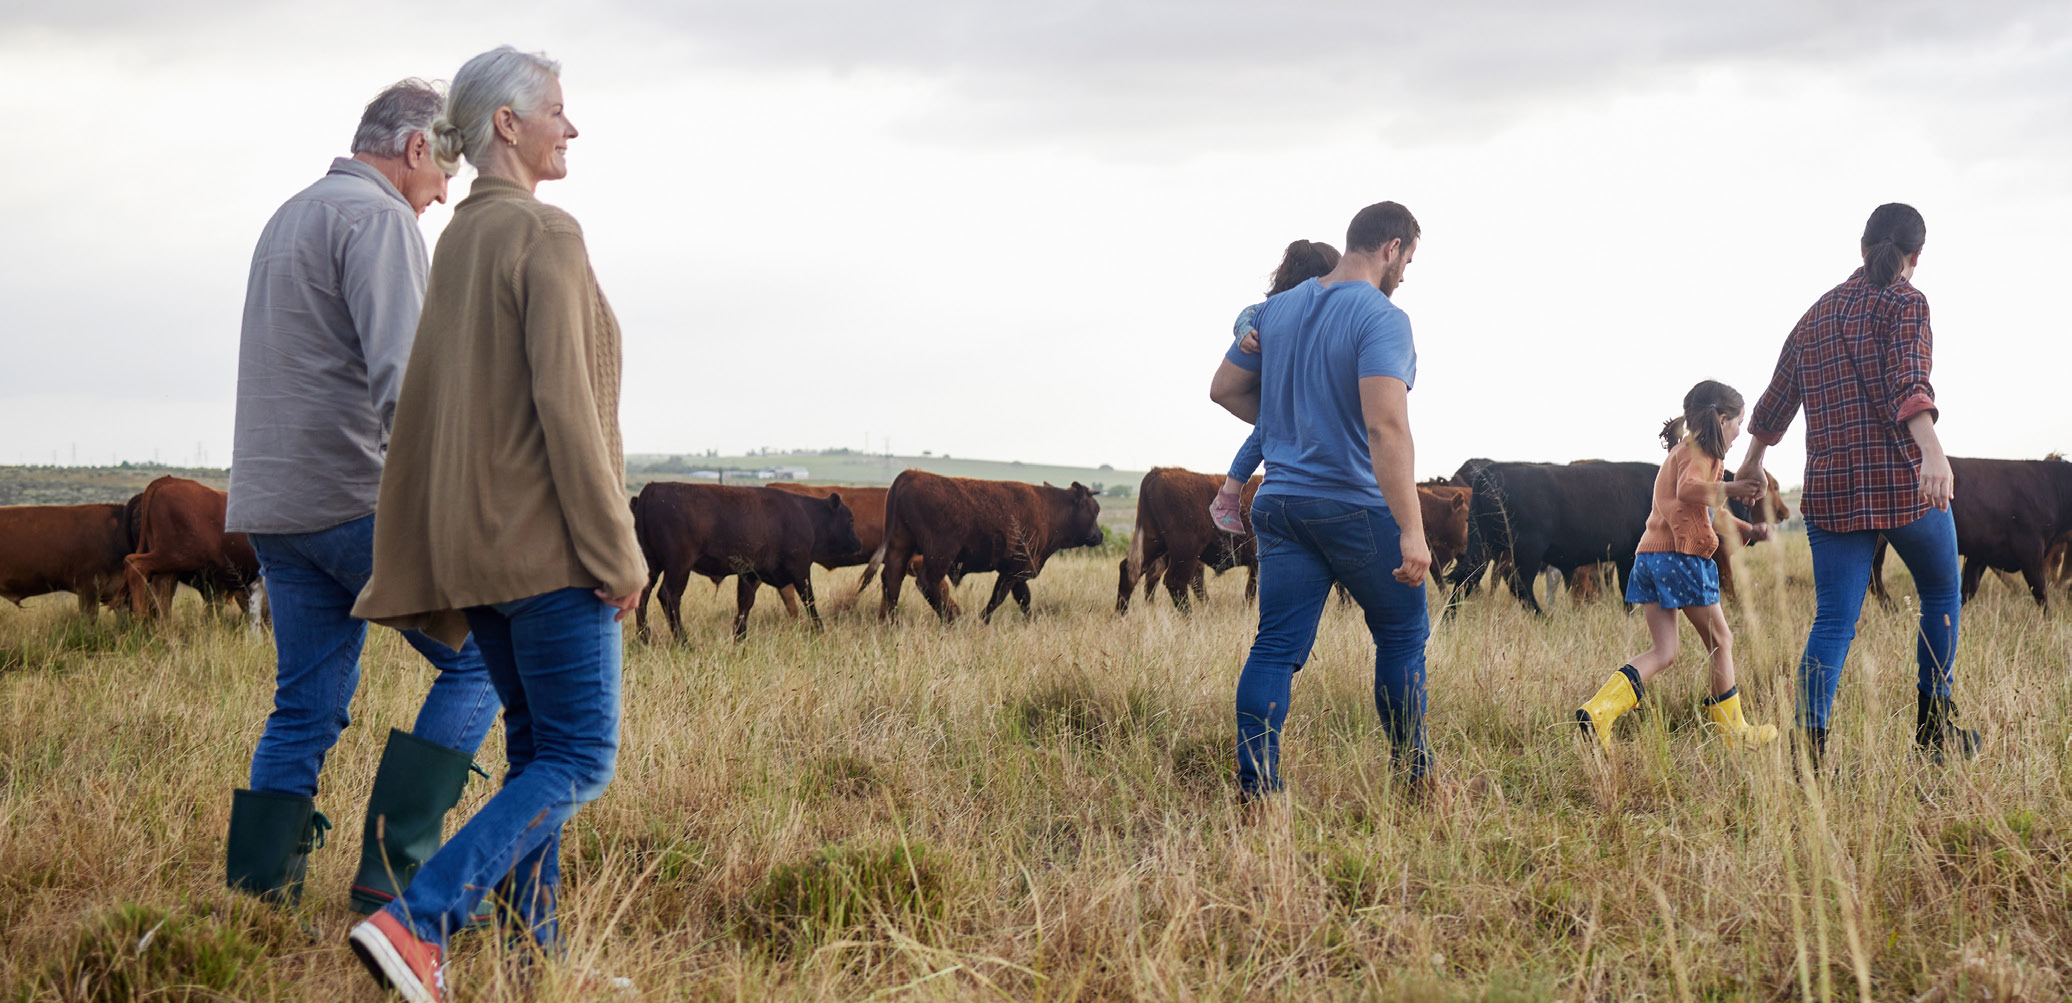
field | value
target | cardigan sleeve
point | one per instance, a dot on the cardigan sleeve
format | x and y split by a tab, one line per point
559	301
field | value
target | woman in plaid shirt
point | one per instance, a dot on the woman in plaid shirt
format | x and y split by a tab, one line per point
1858	361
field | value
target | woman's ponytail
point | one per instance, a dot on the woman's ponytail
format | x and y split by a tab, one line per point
1894	233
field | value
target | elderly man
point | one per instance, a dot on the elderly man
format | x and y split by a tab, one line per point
330	313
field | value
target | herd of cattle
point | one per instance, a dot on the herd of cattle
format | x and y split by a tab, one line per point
1516	520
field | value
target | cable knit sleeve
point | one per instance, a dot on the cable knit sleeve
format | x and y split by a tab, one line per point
572	354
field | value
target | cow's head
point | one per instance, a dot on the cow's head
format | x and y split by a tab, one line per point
836	529
1082	517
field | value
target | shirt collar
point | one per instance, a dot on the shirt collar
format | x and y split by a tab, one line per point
489	186
366	172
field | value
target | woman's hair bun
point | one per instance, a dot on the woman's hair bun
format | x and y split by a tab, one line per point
449	141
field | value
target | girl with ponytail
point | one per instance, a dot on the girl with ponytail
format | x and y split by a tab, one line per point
1858	362
1303	260
1673	570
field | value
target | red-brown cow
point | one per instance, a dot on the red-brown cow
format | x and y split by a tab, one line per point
1444	508
179	535
867	504
63	548
718	530
969	525
1175	536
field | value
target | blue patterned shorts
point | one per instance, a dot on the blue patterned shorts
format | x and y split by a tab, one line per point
1673	580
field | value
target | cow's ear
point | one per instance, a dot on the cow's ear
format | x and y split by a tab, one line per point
1080	488
834	500
1460	504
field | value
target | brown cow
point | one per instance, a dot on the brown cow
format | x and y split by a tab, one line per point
718	530
2009	513
180	538
63	548
867	504
969	525
1175	535
1445	511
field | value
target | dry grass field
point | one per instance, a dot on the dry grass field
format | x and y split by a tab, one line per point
1045	811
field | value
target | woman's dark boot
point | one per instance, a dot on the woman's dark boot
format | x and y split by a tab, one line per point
1814	741
271	836
1936	730
417	783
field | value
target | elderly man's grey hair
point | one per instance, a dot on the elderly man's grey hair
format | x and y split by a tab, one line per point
405	108
502	76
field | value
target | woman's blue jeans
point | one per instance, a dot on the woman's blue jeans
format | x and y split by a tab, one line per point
1841	572
312	580
1305	544
555	659
1249	457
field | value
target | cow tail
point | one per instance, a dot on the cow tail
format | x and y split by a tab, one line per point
877	561
1489	528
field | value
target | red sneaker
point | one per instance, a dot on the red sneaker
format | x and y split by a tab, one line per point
399	959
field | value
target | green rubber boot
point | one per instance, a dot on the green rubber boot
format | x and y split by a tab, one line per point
271	836
417	784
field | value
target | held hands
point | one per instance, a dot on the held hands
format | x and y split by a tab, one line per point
1417	559
624	604
1747	489
1756	533
1249	344
1937	482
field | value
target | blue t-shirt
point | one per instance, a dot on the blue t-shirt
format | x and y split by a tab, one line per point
1316	343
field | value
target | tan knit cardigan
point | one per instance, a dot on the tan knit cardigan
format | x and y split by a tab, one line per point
505	477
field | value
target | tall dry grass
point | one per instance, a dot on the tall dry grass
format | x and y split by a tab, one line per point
1044	811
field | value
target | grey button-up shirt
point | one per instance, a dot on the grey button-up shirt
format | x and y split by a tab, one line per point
330	312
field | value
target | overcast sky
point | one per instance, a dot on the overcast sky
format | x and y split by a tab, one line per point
1020	231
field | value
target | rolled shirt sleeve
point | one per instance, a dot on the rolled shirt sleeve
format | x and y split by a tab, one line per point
557	296
1908	358
1387	349
382	279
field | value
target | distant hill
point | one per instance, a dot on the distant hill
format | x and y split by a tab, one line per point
844	466
92	485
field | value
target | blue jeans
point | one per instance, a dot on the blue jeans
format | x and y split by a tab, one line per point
1842	570
312	580
1249	457
555	658
1305	544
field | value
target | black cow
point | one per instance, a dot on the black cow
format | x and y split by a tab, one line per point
1526	516
2009	513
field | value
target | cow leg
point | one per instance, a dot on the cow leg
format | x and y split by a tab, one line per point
790	595
1974	570
1201	583
745	588
1726	577
1524	572
89	597
2032	572
1153	572
894	572
933	589
1124	585
805	590
673	583
1624	568
1251	581
1021	596
1180	574
640	611
1001	584
1878	574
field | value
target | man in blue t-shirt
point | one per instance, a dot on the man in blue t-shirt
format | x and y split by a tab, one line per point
1328	392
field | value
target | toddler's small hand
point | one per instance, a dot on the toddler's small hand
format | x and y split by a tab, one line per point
1249	344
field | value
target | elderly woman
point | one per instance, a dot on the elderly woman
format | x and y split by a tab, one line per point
503	510
1858	362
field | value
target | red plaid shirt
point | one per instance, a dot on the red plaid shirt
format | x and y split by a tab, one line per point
1859	363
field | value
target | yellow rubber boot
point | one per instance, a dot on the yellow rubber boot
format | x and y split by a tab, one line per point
1725	714
1618	695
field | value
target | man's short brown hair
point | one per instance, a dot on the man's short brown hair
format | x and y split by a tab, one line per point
1377	225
